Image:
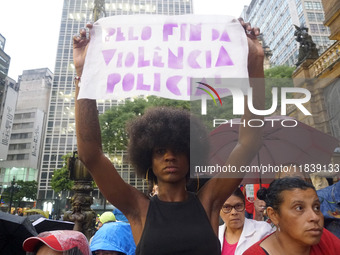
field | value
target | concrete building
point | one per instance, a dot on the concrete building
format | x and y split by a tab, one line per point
60	134
4	66
35	89
8	97
24	152
276	19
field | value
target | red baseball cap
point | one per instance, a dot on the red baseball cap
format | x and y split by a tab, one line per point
59	240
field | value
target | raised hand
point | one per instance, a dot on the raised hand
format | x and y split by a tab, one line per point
80	45
256	53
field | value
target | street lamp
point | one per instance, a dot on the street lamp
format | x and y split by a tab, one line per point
99	10
81	213
13	185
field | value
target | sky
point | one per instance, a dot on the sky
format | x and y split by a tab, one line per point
31	29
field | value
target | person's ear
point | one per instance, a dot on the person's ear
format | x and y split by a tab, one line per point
273	215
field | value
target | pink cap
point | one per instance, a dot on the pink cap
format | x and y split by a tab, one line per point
59	240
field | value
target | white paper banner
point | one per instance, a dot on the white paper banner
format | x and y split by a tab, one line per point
158	55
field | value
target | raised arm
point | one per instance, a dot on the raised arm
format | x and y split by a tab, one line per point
112	186
217	190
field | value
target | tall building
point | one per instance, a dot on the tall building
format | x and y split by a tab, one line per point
60	134
35	89
276	19
4	63
8	97
4	66
24	152
9	91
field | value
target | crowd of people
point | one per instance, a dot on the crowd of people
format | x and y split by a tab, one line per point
174	220
295	225
113	236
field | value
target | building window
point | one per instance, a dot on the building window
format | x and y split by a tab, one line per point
325	40
311	16
317	39
21	146
22	156
314	28
308	5
10	157
317	6
29	115
313	5
320	17
323	29
24	146
22	125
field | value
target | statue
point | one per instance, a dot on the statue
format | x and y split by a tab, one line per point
81	214
307	48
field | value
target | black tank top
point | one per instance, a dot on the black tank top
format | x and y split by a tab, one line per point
177	228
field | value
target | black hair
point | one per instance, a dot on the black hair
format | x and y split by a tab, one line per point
118	252
238	193
165	127
73	251
272	195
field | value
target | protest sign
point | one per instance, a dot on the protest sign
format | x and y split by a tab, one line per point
159	55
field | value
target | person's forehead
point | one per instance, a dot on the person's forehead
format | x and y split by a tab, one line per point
305	195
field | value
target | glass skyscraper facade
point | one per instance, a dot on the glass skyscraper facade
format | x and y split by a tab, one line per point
276	19
60	136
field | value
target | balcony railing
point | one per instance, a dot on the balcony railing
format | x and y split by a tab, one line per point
329	57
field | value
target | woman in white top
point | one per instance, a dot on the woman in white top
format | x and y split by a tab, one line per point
239	233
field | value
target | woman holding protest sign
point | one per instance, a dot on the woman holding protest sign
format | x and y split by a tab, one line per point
175	221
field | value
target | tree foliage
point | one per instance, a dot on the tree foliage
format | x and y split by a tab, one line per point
279	72
20	190
278	77
60	180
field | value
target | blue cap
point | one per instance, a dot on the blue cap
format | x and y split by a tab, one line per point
114	236
119	215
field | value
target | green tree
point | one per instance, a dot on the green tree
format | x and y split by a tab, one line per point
22	189
60	179
277	76
279	72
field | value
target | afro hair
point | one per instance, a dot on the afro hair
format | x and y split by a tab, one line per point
165	127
